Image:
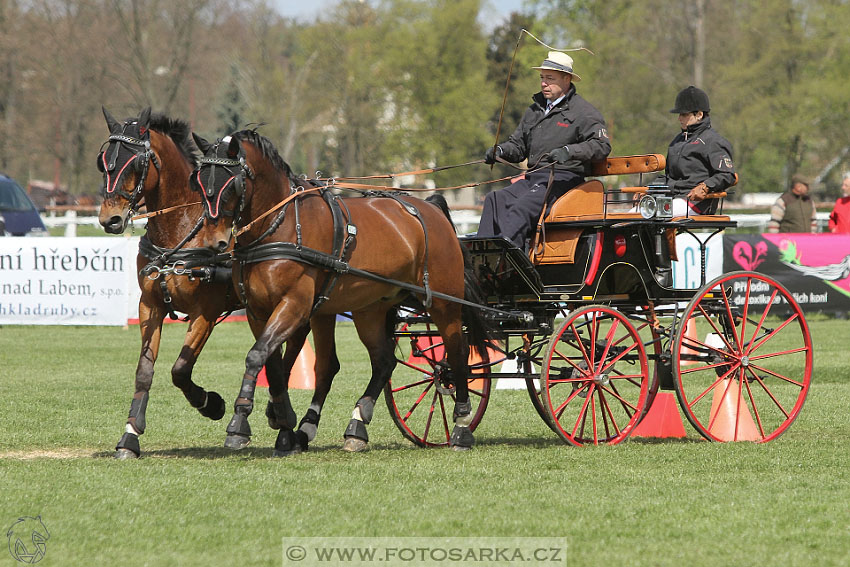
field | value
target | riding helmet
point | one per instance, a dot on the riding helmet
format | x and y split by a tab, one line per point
691	99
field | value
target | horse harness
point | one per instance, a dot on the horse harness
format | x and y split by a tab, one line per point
139	149
195	263
336	262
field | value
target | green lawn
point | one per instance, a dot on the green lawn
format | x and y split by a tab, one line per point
65	393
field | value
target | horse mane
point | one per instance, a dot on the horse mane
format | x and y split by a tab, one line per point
181	134
266	148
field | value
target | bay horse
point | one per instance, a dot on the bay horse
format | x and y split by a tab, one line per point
319	255
148	159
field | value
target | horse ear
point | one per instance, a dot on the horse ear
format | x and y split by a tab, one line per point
110	121
202	144
144	119
233	147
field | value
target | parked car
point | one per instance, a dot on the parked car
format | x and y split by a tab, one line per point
18	215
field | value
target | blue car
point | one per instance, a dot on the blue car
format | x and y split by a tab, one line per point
18	215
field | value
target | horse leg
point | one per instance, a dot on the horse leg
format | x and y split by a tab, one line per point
447	317
209	403
284	322
279	410
327	366
150	325
374	332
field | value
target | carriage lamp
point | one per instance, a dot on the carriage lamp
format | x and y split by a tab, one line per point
656	207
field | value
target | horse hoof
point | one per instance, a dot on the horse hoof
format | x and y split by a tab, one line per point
355	445
125	454
214	408
289	453
236	442
460	448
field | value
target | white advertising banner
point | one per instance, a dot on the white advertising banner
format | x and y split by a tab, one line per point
687	271
68	281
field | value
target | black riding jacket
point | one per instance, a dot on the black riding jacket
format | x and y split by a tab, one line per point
574	123
699	155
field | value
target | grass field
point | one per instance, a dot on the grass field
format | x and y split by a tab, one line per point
65	393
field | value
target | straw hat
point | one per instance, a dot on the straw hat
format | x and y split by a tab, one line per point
559	61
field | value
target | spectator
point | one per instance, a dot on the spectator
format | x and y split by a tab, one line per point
839	218
794	211
559	127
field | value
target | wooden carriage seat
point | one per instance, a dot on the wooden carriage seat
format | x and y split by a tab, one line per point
584	202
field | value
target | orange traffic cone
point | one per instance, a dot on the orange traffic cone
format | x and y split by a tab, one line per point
303	376
662	419
474	358
730	419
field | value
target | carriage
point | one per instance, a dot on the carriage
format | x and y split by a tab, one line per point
591	322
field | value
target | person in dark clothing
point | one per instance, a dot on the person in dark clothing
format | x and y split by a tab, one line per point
699	160
559	128
794	210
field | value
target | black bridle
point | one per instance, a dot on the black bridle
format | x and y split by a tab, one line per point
204	182
135	150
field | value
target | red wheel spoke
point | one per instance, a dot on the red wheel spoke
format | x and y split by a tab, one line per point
717	331
417	402
569	361
628	407
722	397
770	394
710	388
755	408
443	412
412	385
763	317
430	418
581	345
776	375
732	327
707	367
606	411
583	412
773	333
616	359
608	339
780	353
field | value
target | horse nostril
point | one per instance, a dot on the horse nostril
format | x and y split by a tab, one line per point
222	245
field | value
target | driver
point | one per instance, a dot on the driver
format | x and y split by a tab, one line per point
559	127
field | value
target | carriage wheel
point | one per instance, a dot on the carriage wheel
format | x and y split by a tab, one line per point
745	373
420	395
595	378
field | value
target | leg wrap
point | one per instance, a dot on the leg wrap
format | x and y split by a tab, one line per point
462	437
247	390
213	407
309	424
281	415
239	424
367	408
463	413
289	443
138	407
356	429
129	442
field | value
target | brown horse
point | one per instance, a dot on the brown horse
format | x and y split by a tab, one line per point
320	255
150	158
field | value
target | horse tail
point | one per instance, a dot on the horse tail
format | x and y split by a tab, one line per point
478	329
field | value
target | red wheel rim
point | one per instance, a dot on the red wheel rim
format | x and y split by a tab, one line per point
419	399
750	363
595	377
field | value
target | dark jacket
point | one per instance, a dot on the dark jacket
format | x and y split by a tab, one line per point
699	155
574	123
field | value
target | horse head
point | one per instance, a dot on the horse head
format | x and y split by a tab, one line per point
125	161
220	180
